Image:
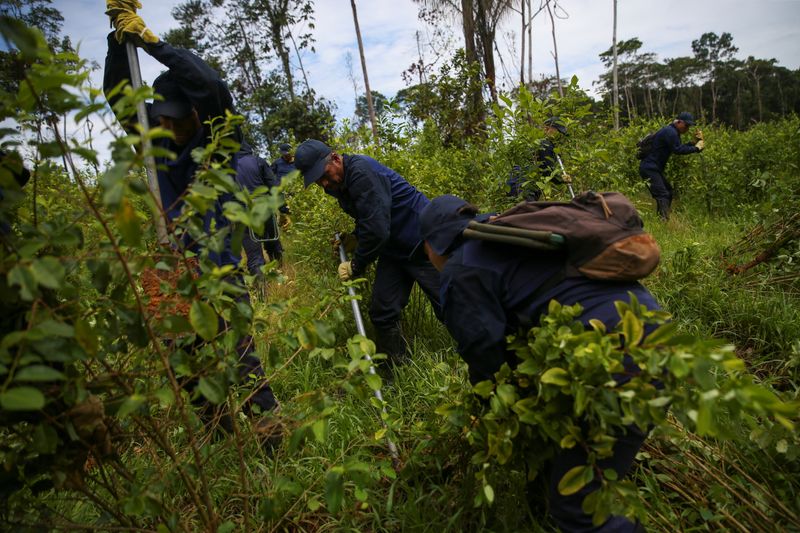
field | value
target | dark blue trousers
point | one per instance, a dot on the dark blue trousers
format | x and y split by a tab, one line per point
394	279
255	257
660	188
566	511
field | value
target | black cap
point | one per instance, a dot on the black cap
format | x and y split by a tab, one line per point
555	122
686	117
441	225
285	148
175	103
310	159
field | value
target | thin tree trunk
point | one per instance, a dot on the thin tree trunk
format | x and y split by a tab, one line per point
468	26
421	60
615	103
300	62
486	37
530	43
522	46
738	103
555	49
370	105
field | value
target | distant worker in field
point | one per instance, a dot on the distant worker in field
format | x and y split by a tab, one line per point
386	210
253	172
285	163
490	291
654	152
545	159
191	94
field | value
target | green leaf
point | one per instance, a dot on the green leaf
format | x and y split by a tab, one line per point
226	527
334	489
29	41
204	320
575	479
86	336
38	373
22	276
131	404
484	388
48	272
212	390
632	329
128	223
373	380
22	399
704	419
488	492
320	429
556	376
662	334
506	393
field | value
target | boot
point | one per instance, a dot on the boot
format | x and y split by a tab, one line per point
391	342
662	206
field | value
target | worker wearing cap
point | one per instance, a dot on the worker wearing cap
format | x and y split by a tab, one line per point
490	291
285	163
386	209
544	158
667	141
191	93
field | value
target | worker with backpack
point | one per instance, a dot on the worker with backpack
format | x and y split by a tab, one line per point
498	275
654	151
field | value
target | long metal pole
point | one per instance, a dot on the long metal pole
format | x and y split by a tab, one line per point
360	328
149	160
564	172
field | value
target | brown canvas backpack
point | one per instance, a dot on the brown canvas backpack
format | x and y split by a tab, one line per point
602	234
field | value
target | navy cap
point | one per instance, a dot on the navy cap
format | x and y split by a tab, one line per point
686	117
175	103
441	225
285	148
310	159
555	122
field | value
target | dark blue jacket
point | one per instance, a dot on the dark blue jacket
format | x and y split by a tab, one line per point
385	207
252	171
488	291
666	142
280	168
210	97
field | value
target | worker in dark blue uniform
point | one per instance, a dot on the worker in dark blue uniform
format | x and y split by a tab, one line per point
545	159
192	93
667	141
490	291
386	209
253	172
285	163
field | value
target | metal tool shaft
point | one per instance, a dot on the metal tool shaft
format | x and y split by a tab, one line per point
149	161
564	172
362	331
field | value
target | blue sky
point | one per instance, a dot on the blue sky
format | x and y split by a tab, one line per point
765	28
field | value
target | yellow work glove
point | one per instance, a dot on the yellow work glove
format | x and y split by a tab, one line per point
700	144
566	178
131	25
115	7
348	239
346	270
698	136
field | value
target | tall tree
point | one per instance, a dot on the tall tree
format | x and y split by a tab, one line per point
249	41
616	76
555	44
373	121
714	52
